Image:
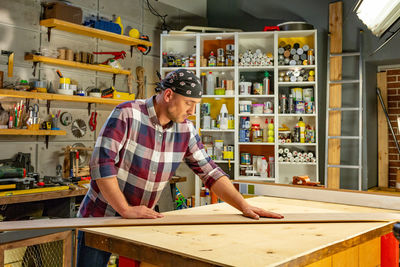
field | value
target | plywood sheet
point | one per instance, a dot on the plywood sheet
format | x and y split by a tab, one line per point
239	245
383	138
295	211
197	220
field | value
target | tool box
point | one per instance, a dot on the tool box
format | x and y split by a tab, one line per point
62	11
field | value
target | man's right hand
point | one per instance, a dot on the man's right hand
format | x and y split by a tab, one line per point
140	212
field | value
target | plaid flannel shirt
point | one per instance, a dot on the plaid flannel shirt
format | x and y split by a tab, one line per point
134	147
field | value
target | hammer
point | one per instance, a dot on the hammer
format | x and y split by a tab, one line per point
10	55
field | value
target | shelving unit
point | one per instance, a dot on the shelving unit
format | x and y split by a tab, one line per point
268	42
58	97
74	64
30	132
88	31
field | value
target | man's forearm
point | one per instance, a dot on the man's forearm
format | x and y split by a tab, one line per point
225	190
112	193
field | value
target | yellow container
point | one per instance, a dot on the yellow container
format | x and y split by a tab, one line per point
65	80
123	96
219	91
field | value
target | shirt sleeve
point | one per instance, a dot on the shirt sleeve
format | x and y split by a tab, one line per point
200	162
109	143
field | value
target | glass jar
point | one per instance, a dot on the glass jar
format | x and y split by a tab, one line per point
256	133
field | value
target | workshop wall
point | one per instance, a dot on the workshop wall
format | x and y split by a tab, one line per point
20	32
253	15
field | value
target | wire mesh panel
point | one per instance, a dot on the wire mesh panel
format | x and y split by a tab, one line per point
41	255
50	250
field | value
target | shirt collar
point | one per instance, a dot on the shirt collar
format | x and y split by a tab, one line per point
153	115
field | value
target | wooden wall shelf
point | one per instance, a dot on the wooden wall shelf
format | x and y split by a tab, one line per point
30	132
58	97
74	64
88	31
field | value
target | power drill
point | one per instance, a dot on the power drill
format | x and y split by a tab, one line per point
12	172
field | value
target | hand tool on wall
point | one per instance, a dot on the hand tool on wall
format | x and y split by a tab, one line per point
143	48
117	55
10	63
140	82
78	128
93	121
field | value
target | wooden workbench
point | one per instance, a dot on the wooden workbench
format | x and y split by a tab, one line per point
288	244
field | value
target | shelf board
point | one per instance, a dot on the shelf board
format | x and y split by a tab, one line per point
256	115
218	68
58	97
298	163
224	161
217	130
255	143
177	68
30	132
297	115
296	67
295	83
297	144
255	178
256	96
218	96
74	64
88	31
255	68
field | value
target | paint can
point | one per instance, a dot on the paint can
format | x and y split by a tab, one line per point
245	158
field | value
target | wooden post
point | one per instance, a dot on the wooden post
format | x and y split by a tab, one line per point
335	93
383	139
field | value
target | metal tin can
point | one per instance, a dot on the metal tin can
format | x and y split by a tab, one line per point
245	158
257	88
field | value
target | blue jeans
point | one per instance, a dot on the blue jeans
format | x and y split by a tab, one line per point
88	256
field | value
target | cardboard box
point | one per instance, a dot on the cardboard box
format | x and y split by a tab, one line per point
58	10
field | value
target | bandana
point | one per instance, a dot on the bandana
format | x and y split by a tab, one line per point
183	82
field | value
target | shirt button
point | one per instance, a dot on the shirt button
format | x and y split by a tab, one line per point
154	172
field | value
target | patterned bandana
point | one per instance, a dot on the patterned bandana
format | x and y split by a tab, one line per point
183	82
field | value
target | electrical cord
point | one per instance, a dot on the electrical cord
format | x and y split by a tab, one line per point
164	26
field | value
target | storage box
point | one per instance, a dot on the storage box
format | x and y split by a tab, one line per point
123	96
58	10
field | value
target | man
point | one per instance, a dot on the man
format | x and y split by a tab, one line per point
139	148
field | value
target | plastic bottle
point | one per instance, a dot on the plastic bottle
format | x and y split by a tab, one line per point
118	21
264	168
302	127
271	167
203	81
223	124
271	133
212	61
210	83
266	84
291	104
265	131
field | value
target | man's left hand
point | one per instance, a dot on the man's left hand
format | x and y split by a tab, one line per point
256	213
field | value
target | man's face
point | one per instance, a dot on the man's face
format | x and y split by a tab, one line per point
181	107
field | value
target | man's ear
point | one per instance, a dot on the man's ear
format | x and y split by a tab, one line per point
168	95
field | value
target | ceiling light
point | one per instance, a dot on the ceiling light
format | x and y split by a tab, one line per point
378	15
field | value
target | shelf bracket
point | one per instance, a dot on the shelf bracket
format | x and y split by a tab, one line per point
131	50
34	66
114	76
47	141
48	106
48	33
89	107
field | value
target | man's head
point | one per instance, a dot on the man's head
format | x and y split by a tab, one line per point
181	91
